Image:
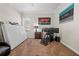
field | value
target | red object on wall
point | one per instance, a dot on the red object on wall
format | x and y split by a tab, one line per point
44	20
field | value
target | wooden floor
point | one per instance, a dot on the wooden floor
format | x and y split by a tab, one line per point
32	47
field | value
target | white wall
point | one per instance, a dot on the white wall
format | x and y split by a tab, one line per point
29	20
69	31
7	13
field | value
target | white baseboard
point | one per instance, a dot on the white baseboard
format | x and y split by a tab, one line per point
70	47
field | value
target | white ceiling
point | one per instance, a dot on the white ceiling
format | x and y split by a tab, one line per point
35	7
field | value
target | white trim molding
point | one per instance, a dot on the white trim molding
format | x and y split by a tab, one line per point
70	47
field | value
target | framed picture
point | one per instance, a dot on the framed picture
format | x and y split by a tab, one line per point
44	20
67	14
